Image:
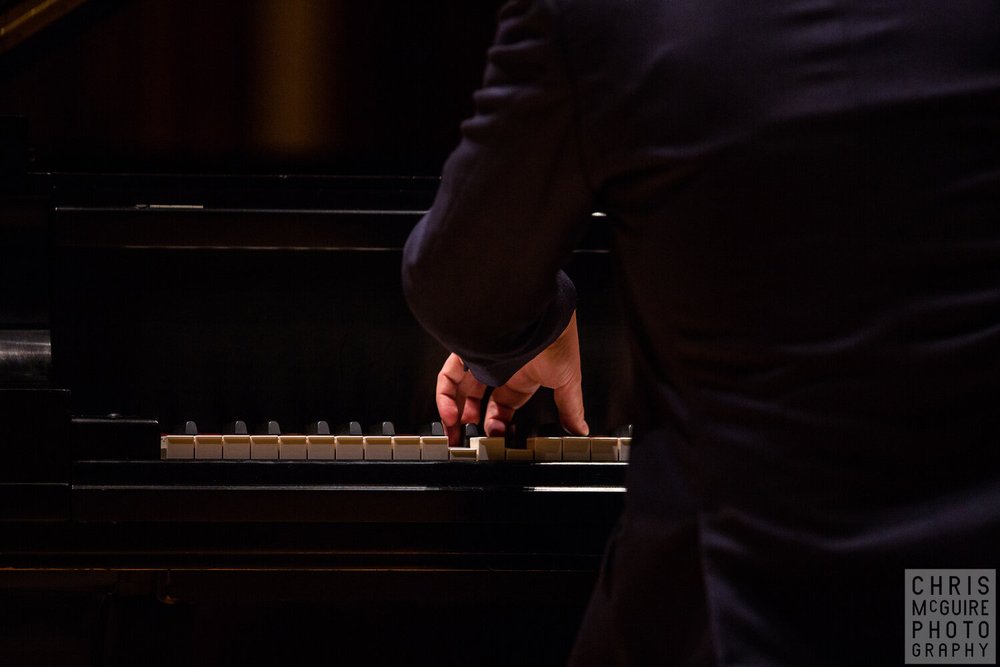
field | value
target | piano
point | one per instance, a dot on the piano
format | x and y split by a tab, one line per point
142	307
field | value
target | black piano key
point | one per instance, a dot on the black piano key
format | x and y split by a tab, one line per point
469	431
237	427
514	439
432	429
318	428
268	428
382	428
350	428
186	428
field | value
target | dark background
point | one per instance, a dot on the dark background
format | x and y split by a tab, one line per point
322	87
242	86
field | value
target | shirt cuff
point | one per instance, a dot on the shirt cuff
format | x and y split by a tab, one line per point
555	320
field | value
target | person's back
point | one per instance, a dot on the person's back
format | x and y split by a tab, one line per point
817	185
805	198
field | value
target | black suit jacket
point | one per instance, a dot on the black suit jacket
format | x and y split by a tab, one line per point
805	200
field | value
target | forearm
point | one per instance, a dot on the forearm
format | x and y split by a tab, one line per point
493	336
482	270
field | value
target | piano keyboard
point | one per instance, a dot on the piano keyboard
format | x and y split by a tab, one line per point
381	443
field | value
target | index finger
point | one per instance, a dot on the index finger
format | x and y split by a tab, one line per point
457	395
448	393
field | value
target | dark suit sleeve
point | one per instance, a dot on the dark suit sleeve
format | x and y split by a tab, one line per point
482	270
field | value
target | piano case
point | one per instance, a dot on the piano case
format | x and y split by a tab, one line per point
215	298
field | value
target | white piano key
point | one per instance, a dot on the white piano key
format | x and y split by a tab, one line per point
350	448
624	448
604	449
378	447
264	447
208	446
526	454
321	447
546	449
293	447
434	448
178	446
488	449
575	448
461	454
236	447
406	448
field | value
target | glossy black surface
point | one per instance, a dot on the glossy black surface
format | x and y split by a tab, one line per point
277	300
287	314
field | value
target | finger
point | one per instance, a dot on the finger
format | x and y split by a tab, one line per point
505	400
454	434
449	396
569	402
494	428
497	418
447	404
458	396
473	391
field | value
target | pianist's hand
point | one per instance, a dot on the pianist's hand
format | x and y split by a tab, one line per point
556	367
